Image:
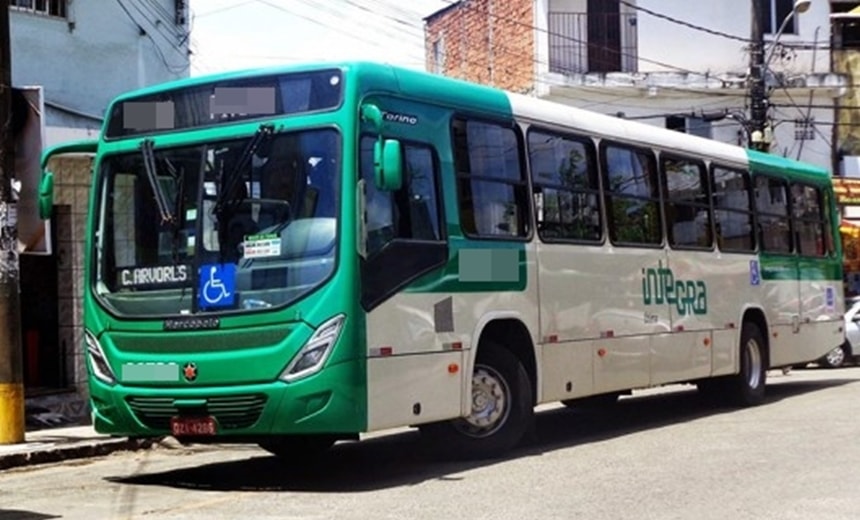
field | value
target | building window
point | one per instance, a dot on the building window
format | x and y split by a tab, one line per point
804	129
775	12
439	56
846	31
48	7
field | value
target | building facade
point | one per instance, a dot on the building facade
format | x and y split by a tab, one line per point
672	63
69	59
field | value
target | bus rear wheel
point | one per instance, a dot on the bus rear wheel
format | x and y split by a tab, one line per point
746	388
298	448
502	409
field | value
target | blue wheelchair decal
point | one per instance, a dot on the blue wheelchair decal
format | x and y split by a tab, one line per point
830	298
217	285
755	273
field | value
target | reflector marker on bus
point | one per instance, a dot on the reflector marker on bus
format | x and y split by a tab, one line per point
552	338
601	352
730	325
707	342
381	351
679	328
607	334
454	345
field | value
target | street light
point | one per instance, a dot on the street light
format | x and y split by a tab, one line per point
800	7
759	136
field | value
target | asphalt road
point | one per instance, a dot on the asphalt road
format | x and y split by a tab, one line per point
662	454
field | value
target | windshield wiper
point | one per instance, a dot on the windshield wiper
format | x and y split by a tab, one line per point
226	200
178	206
146	149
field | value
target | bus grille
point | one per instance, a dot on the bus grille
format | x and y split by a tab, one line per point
231	412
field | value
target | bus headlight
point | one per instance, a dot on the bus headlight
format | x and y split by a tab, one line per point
98	362
312	356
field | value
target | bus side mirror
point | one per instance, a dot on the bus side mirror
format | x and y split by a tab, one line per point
387	153
388	164
46	195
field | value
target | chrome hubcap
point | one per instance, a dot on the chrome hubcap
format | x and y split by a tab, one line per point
490	403
836	356
754	363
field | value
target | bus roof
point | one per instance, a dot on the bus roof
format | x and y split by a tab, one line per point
467	96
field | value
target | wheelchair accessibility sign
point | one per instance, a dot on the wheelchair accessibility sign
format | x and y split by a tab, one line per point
217	286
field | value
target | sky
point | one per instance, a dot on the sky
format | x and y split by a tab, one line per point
237	34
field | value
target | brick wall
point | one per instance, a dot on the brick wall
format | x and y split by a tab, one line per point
485	41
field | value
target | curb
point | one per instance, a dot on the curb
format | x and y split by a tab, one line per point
77	451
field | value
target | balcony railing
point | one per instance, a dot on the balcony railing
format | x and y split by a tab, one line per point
580	43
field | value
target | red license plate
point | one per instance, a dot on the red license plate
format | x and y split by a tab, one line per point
185	426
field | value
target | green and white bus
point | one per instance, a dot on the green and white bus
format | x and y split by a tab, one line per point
297	256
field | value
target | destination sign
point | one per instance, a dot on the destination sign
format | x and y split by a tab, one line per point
225	101
153	276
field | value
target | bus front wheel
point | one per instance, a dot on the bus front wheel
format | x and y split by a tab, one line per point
502	409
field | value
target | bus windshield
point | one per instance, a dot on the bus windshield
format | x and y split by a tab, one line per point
224	226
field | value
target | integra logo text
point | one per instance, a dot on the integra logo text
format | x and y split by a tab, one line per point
660	286
405	119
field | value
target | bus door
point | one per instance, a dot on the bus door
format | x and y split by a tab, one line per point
779	271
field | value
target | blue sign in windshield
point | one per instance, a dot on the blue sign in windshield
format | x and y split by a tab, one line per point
217	285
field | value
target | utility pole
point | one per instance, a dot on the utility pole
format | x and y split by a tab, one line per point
11	367
758	91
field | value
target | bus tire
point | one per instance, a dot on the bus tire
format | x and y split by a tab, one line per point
502	409
746	388
298	448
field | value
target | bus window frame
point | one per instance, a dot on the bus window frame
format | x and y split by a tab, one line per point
822	221
786	184
607	193
705	180
524	181
593	162
437	188
750	204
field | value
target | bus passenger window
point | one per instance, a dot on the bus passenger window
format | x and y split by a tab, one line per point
809	220
773	219
688	213
733	214
632	196
490	180
564	175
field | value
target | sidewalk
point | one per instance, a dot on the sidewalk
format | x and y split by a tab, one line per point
58	444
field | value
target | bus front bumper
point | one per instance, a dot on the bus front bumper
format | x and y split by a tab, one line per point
328	402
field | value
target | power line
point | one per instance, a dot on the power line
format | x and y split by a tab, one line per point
170	67
565	37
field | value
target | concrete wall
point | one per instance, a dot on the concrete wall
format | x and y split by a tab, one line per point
691	49
94	54
82	62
